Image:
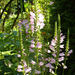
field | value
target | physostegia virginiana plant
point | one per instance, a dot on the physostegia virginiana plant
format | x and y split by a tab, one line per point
32	53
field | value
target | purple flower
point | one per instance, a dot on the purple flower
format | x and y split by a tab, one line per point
19	66
52	48
24	21
24	62
61	54
49	65
19	70
64	66
71	51
50	70
32	28
31	50
62	39
33	62
61	59
53	42
32	46
41	63
37	72
27	69
54	54
51	3
32	21
32	14
46	59
32	41
27	27
20	26
18	55
39	45
18	51
52	60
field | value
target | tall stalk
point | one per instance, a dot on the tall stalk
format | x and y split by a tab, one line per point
35	23
58	43
55	34
21	9
67	47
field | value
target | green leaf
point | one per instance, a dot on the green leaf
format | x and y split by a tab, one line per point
26	5
7	52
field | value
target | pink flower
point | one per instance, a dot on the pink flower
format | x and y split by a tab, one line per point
53	42
32	21
27	69
32	28
44	69
49	65
52	48
33	62
27	27
31	50
61	54
37	72
55	38
19	70
61	46
39	45
41	63
71	51
42	25
46	59
49	51
52	60
24	21
64	66
50	70
51	3
41	17
61	59
19	66
18	51
18	55
61	34
24	62
32	14
62	39
32	41
32	46
54	54
20	26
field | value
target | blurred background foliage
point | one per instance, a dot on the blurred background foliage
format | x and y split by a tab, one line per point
66	8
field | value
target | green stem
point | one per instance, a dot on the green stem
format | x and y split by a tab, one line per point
58	43
21	10
67	47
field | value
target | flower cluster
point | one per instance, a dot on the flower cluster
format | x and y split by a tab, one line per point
53	48
23	65
40	21
25	24
20	67
38	46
